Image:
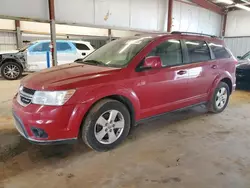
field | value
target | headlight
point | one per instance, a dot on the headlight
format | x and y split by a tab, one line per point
52	98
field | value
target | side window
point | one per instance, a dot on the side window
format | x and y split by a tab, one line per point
246	56
219	51
63	46
42	47
197	51
80	46
169	52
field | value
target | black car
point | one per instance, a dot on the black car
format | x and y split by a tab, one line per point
243	68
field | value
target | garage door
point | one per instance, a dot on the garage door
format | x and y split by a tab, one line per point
7	41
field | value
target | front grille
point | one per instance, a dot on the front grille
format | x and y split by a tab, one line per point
29	91
25	96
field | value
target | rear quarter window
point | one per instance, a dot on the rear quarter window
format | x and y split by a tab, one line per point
81	46
219	51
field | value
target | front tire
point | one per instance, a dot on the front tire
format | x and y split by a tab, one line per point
220	98
106	125
11	70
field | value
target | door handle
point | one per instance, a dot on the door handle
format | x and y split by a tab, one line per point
214	66
181	72
83	53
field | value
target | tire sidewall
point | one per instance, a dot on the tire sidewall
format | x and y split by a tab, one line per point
220	85
89	125
9	63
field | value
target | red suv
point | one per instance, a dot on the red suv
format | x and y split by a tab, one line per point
98	99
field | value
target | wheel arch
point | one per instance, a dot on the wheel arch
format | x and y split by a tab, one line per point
223	78
11	60
121	98
228	81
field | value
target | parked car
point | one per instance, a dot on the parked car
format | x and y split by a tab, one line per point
124	82
243	69
34	56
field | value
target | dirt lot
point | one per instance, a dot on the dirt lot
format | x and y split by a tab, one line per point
186	149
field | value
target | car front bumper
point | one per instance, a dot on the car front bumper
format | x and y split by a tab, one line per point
60	124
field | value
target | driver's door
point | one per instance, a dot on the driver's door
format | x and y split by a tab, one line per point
162	90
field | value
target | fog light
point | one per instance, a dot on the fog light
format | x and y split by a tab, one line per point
40	133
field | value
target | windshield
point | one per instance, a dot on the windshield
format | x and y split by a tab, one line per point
246	56
118	53
25	47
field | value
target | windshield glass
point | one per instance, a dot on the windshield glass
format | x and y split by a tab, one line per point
246	56
118	53
25	47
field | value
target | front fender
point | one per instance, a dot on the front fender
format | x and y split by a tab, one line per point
98	93
16	57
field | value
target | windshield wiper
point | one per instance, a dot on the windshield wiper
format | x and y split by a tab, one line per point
95	62
79	60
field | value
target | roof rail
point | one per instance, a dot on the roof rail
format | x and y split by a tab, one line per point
192	33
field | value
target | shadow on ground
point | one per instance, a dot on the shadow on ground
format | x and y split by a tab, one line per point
40	156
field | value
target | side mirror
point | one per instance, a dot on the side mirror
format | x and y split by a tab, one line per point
239	57
152	62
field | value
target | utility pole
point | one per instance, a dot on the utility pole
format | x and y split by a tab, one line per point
170	15
18	34
52	31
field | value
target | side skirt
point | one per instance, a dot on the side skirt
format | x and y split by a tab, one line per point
181	109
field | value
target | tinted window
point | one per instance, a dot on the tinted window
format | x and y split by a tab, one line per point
80	46
169	52
219	51
62	46
42	47
246	56
198	51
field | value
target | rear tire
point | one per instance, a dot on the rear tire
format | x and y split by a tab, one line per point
220	98
106	125
11	70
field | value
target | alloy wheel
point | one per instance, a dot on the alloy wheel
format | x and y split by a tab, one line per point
11	71
109	127
221	98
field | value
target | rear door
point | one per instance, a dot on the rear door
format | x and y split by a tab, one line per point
200	68
66	53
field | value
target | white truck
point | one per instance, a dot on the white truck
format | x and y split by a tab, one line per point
37	56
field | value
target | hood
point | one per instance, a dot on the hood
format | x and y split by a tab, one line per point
69	76
243	64
9	52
